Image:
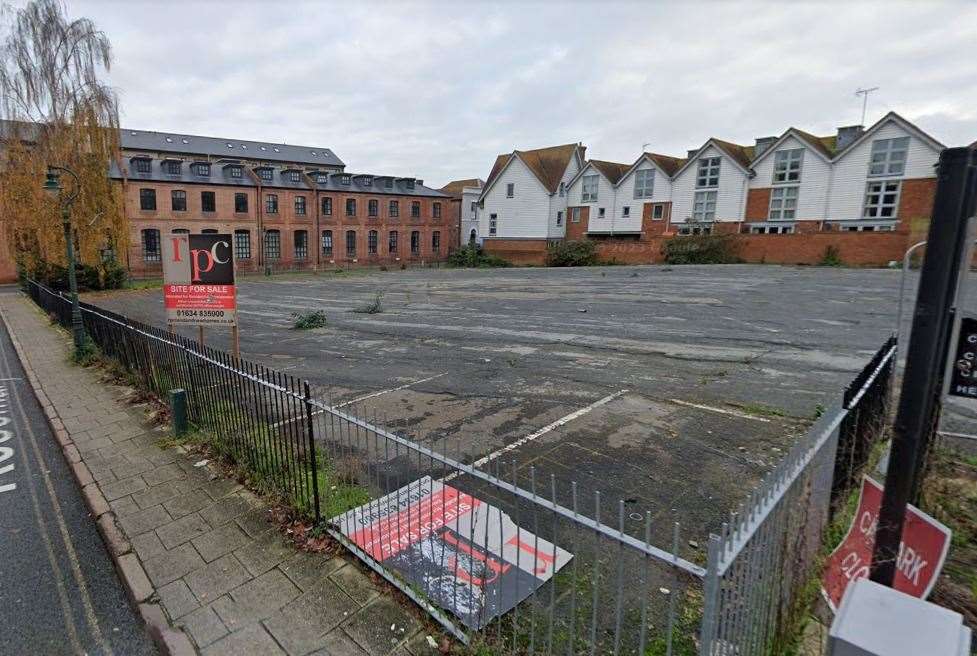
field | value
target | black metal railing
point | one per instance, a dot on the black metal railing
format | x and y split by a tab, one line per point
259	418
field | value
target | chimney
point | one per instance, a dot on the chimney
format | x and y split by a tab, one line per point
693	152
848	134
762	145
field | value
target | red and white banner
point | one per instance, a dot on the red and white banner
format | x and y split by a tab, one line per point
922	551
467	556
198	280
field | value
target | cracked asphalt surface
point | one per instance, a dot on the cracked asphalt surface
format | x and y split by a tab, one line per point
507	352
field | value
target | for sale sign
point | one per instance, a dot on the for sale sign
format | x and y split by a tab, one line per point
198	280
922	551
465	555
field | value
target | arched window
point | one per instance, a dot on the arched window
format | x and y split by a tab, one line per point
301	244
327	242
150	245
372	238
242	244
436	241
273	245
350	243
415	243
392	244
208	231
472	237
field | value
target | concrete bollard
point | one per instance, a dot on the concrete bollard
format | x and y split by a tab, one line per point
178	407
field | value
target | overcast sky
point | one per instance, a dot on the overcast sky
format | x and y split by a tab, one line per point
437	90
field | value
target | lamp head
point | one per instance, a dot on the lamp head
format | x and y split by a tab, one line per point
52	186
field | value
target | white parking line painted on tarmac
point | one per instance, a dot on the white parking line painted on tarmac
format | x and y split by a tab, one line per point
710	408
542	431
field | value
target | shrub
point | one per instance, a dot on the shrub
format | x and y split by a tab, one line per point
308	320
831	257
701	249
472	256
110	275
376	307
571	253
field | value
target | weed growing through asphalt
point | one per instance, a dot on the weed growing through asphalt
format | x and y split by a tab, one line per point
308	320
376	307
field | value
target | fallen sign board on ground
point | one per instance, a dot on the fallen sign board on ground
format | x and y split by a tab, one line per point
198	280
922	551
465	555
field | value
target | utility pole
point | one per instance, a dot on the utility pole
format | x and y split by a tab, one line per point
864	94
953	209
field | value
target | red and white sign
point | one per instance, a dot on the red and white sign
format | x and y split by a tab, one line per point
922	551
198	280
466	555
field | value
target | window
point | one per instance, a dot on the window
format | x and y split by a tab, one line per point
350	243
180	231
172	167
644	183
327	206
588	193
600	213
772	230
575	215
265	174
436	241
235	171
242	244
293	176
787	165
271	204
208	231
881	200
708	175
783	203
563	189
372	238
301	244
300	205
147	199
704	207
344	179
240	203
321	179
373	207
208	202
142	165
392	243
350	207
889	156
695	230
436	210
415	243
150	245
327	242
658	212
559	219
394	208
510	190
410	183
388	183
493	223
203	170
474	205
178	200
273	245
626	211
415	209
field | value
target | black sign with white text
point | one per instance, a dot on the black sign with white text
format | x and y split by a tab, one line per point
963	378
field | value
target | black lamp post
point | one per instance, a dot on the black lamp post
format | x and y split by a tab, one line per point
52	187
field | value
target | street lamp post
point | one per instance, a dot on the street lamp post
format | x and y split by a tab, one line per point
53	187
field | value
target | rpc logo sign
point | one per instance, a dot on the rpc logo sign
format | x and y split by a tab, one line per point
198	279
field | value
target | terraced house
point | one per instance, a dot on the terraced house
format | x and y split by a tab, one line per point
288	207
881	180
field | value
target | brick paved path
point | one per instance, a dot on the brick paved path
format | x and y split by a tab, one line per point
198	544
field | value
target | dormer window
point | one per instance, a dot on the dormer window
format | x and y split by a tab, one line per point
264	174
388	183
367	180
142	165
293	176
172	167
410	183
708	172
344	179
202	170
235	171
787	165
321	179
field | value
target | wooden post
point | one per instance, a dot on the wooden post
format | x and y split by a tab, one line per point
201	335
236	341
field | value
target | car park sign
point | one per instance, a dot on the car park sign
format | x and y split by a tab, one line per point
198	280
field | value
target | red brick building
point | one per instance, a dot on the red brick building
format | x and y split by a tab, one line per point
288	207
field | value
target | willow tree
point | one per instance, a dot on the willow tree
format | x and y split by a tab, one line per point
59	110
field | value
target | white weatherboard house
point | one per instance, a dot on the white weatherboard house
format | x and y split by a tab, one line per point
855	180
466	192
524	197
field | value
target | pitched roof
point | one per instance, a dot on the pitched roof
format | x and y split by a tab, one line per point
455	187
824	145
613	171
218	147
547	164
742	154
666	163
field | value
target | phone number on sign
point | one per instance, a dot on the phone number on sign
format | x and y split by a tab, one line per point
192	314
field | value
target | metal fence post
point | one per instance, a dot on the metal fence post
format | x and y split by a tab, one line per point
312	455
710	592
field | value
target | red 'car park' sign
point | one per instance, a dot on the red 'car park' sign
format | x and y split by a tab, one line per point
925	542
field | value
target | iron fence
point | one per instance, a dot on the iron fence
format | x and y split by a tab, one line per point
762	563
619	593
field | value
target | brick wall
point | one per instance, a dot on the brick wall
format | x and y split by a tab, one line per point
916	201
651	226
518	251
577	231
758	204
